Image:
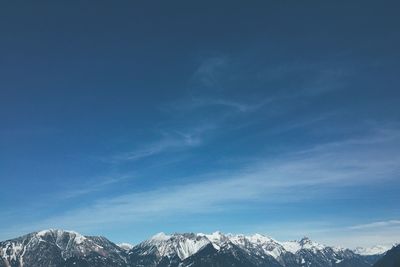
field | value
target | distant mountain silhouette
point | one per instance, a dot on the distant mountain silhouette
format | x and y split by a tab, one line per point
391	258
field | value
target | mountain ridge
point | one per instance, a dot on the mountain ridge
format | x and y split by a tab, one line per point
61	248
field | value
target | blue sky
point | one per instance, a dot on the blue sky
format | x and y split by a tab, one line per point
126	119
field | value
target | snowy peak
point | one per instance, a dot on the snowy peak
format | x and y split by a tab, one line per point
160	237
56	247
220	238
375	250
57	235
305	241
185	245
254	250
264	243
125	246
258	244
217	239
304	244
258	238
180	245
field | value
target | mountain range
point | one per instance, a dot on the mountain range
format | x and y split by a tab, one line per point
60	248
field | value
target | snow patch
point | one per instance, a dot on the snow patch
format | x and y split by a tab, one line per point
291	246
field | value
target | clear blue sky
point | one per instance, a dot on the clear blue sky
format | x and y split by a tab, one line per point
127	118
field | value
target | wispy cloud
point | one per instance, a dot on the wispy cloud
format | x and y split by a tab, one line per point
204	102
383	233
95	185
209	71
170	142
265	182
313	78
379	224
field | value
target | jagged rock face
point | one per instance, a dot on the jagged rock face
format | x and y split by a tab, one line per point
56	248
163	250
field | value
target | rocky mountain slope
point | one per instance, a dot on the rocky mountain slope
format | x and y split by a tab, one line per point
58	248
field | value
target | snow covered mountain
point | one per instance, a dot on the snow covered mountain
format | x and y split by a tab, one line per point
163	249
218	249
58	248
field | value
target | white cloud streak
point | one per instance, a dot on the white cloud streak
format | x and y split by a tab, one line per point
203	102
385	233
208	73
373	225
349	163
175	141
94	185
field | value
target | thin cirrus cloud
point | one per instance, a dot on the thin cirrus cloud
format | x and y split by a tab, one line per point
204	102
370	234
95	185
219	73
213	72
178	140
209	72
389	223
345	164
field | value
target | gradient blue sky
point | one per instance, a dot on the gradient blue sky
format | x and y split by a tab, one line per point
127	118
